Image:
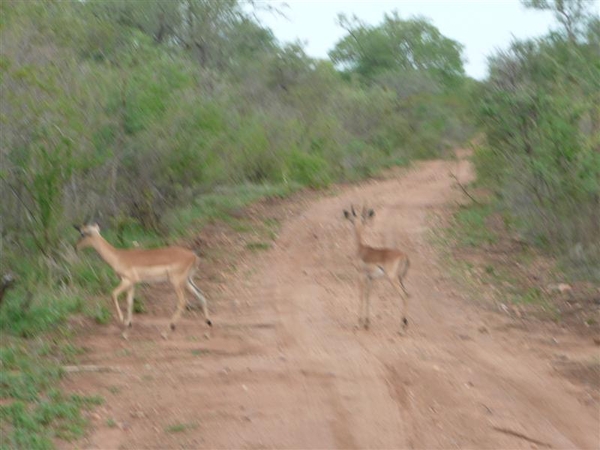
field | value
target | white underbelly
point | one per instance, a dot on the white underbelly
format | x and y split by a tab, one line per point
152	274
373	271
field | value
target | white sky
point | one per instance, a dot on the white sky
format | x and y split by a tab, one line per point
482	26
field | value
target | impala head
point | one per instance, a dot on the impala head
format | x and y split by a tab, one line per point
87	233
365	217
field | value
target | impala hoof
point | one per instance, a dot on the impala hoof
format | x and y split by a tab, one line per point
208	321
172	327
405	322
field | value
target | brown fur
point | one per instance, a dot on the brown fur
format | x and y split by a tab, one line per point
376	262
173	264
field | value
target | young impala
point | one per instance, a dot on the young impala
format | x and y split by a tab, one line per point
174	264
375	263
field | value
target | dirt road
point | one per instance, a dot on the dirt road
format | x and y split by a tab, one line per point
285	366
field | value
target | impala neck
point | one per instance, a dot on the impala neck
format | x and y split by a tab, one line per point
358	231
106	251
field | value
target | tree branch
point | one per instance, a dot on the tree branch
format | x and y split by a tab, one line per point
461	186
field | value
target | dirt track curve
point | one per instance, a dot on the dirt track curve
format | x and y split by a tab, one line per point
285	366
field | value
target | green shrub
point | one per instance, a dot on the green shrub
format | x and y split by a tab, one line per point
540	115
472	221
308	170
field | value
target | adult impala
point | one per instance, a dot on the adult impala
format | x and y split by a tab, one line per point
174	264
375	263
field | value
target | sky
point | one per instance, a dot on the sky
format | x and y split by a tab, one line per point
482	26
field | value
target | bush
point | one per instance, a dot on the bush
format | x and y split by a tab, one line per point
542	122
308	170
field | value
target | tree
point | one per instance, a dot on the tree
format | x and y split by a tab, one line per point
571	14
158	19
215	32
396	45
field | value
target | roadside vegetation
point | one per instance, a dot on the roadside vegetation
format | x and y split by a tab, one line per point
540	115
155	118
503	272
533	240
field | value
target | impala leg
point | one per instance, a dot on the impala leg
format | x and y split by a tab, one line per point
404	312
404	304
403	288
363	285
399	287
130	294
123	286
361	298
368	283
198	293
180	306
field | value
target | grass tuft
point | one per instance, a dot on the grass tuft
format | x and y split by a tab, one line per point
34	412
258	246
471	228
180	427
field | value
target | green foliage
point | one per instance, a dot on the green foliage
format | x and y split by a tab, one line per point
571	14
472	226
101	314
33	412
27	314
418	79
542	121
126	111
220	204
257	246
180	427
397	45
111	423
308	170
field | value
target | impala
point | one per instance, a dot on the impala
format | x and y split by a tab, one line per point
174	264
375	263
